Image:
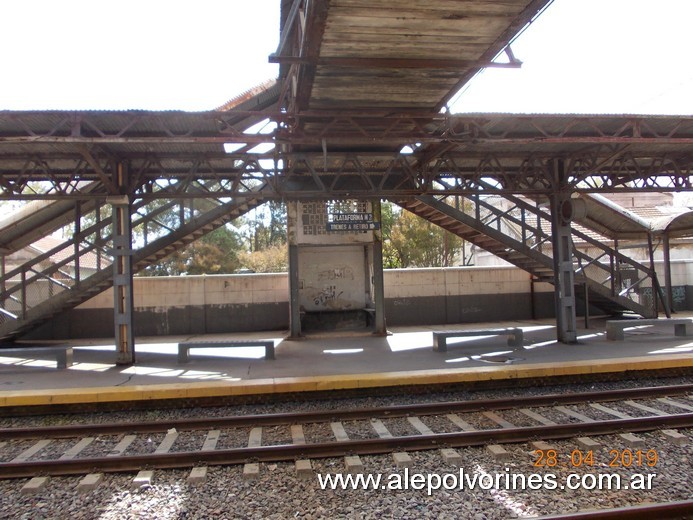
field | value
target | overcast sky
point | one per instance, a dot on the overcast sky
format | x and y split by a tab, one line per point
580	56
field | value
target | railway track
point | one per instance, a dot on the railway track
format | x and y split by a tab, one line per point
126	447
668	510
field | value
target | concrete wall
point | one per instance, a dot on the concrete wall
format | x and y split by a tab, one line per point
226	303
681	282
183	305
463	295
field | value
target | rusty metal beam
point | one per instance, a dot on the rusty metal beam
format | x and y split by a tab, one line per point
343	153
316	21
504	40
392	63
220	127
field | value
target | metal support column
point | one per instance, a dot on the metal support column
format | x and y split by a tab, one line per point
294	307
587	306
655	289
667	271
122	273
3	288
564	278
657	292
378	278
77	239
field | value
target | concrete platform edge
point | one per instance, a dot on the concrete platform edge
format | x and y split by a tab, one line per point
335	382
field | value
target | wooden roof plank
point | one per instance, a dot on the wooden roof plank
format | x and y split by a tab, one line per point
463	35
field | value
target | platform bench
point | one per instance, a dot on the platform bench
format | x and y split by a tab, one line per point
63	353
614	328
184	348
440	339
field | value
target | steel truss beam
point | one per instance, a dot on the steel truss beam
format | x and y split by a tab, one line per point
363	127
301	176
330	155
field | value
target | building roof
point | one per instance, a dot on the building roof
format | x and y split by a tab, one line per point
48	243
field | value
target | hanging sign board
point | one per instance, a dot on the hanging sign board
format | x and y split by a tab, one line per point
351	222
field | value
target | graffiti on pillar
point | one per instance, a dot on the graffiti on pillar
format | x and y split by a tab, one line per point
678	294
338	273
326	296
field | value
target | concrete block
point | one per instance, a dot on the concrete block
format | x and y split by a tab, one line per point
498	452
198	475
632	440
297	435
255	437
380	429
123	445
211	440
420	426
251	471
675	437
402	459
90	482
451	456
339	433
588	442
304	468
143	479
35	485
353	464
542	446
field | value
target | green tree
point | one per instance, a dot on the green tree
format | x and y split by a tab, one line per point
418	243
389	214
214	253
267	226
274	259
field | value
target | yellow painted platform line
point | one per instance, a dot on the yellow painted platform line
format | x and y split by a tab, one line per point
336	382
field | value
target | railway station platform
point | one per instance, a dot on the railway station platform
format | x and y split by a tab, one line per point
332	361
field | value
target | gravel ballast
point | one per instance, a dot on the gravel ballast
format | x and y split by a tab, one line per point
280	493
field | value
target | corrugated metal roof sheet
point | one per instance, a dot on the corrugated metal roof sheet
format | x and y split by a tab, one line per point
252	97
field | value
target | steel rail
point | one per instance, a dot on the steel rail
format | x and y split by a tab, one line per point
661	511
277	419
289	452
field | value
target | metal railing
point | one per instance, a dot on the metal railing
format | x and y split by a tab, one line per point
526	228
73	262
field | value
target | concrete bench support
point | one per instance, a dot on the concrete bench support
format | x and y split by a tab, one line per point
184	348
515	336
63	354
614	328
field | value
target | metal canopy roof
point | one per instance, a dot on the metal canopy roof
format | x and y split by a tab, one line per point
676	226
356	110
611	220
601	153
